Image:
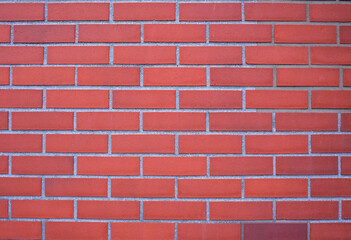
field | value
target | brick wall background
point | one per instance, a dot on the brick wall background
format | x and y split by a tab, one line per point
175	120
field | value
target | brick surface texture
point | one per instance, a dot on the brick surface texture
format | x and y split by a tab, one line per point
175	120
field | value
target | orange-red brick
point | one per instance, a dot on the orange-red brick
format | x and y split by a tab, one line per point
174	166
174	33
78	11
108	166
209	11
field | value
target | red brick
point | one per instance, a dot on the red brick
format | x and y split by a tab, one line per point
215	231
346	165
346	122
108	76
4	123
21	11
75	187
275	12
209	11
276	55
331	55
108	166
256	77
278	144
4	209
332	187
347	77
275	231
20	230
78	55
346	209
77	98
175	33
293	77
21	55
210	99
175	210
142	230
4	164
137	143
108	121
310	165
230	166
42	165
144	55
209	188
206	55
210	144
109	33
43	76
42	208
330	13
174	76
4	75
345	34
76	143
307	210
331	143
44	34
240	33
279	99
144	99
240	121
5	33
20	186
241	210
330	231
276	188
20	142
304	34
78	11
75	230
21	98
128	188
174	166
108	209
306	121
174	121
42	121
152	11
331	99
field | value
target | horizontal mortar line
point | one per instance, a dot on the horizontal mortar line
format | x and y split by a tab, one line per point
172	132
122	110
177	221
181	88
172	44
172	154
174	110
136	22
229	177
190	1
187	1
132	44
172	199
337	110
182	65
116	220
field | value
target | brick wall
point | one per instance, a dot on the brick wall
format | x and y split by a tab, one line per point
175	120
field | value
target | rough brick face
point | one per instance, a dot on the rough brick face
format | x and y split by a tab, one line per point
44	33
164	120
